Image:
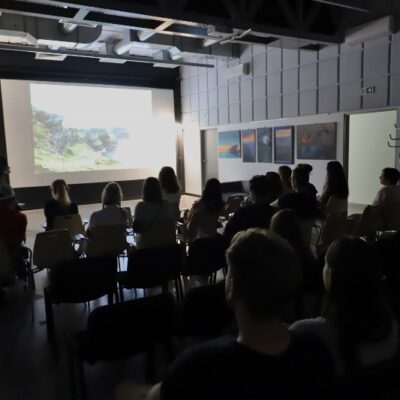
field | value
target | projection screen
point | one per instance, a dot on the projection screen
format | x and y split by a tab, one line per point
86	133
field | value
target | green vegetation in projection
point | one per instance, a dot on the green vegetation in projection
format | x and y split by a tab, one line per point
61	149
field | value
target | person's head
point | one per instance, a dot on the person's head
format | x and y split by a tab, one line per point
111	195
4	167
285	172
354	297
263	274
286	224
300	179
168	180
60	191
307	167
389	176
151	190
260	188
275	184
336	179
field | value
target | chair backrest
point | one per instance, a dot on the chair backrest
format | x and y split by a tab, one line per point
232	204
391	217
52	248
148	268
370	222
106	240
334	228
120	330
7	275
336	205
82	280
306	226
157	235
72	222
206	256
129	220
202	224
205	312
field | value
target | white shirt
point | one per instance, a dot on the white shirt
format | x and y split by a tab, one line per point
110	215
387	196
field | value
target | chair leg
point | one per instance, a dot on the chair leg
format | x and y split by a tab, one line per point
121	293
49	316
72	372
150	361
110	298
81	378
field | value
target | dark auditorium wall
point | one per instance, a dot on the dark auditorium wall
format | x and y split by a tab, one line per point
15	65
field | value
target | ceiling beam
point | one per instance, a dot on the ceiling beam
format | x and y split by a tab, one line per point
104	57
357	5
133	11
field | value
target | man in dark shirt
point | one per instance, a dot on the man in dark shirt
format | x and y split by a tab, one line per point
301	201
258	213
265	361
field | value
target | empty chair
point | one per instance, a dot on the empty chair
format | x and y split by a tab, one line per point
232	204
121	330
107	240
205	313
72	222
206	256
150	268
52	248
370	223
391	217
79	281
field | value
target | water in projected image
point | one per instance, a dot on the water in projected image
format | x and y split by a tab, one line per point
83	128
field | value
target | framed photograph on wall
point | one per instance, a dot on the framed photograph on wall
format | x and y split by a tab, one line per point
283	145
249	145
316	142
229	144
264	145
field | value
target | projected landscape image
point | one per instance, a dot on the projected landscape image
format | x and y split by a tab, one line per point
83	128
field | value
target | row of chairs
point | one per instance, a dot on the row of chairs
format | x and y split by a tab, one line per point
86	279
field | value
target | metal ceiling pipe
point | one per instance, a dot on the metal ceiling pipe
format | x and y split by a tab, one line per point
68	27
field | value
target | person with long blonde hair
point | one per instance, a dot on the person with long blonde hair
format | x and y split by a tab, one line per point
60	203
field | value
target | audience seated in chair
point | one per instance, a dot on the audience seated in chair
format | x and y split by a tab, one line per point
286	224
356	323
5	188
202	219
390	193
310	187
265	360
336	186
60	204
285	173
170	190
258	213
112	213
13	223
153	222
301	201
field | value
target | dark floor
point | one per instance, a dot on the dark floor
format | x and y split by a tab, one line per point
28	369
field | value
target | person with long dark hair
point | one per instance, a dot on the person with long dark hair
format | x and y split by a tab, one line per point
285	173
356	323
170	189
209	207
336	183
153	222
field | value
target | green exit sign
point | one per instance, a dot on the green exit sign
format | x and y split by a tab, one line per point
368	90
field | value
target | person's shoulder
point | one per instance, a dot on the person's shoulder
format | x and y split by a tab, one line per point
50	203
308	323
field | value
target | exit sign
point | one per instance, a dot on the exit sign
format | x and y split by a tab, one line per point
368	90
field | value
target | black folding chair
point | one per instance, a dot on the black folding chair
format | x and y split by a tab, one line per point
121	330
79	281
150	268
